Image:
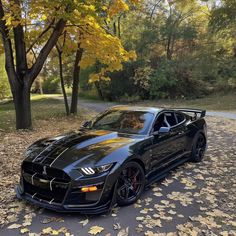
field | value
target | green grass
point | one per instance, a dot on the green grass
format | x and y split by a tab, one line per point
47	107
44	107
220	102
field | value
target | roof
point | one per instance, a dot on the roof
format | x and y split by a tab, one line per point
136	108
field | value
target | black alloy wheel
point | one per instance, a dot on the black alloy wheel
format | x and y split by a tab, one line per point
130	184
199	148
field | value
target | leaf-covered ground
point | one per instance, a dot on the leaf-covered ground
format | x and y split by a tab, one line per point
195	199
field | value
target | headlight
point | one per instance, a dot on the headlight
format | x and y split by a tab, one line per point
96	170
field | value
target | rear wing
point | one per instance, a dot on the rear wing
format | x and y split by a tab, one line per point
196	113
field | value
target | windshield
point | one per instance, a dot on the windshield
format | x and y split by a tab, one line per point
134	122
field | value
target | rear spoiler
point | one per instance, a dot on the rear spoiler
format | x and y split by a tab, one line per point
198	113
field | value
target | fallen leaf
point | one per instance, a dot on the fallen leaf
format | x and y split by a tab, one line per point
84	222
123	232
14	226
116	226
139	218
94	230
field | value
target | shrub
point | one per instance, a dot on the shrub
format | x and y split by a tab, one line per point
126	98
51	85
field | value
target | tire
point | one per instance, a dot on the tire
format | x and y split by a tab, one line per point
198	149
130	184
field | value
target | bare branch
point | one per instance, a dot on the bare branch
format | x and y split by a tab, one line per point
41	35
9	59
154	8
36	68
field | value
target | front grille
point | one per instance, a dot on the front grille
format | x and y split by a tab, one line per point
51	187
55	196
33	168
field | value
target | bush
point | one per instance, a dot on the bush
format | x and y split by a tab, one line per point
89	94
126	98
51	85
162	81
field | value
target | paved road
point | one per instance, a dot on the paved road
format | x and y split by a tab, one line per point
101	106
189	191
228	115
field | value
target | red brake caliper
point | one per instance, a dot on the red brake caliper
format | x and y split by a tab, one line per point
134	181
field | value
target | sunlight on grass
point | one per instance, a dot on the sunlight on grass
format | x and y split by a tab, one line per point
51	106
44	96
213	102
44	107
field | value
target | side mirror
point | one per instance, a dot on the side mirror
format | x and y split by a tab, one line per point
86	124
164	130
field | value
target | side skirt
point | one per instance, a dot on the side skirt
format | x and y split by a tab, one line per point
163	171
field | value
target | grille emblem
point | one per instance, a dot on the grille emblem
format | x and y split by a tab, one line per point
44	170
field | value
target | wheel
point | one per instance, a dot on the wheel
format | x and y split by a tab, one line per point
199	148
130	184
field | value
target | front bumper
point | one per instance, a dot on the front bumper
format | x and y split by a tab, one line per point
65	195
65	208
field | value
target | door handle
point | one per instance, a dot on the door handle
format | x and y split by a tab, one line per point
181	132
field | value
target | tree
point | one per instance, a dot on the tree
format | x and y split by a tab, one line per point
60	52
223	15
49	19
94	44
20	76
75	86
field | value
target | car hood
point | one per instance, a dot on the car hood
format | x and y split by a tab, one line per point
83	148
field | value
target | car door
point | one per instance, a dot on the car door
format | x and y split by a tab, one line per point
166	146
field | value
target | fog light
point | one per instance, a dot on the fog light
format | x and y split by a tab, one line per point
89	189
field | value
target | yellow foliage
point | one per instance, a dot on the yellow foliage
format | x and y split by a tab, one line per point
85	26
100	46
117	6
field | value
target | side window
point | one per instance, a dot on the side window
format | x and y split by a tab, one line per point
159	123
180	117
170	118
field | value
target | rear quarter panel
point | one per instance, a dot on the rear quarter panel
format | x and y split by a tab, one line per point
194	129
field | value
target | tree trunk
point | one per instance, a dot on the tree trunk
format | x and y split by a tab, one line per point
21	98
62	82
40	86
75	88
19	75
98	87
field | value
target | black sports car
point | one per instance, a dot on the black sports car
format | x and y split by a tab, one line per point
111	158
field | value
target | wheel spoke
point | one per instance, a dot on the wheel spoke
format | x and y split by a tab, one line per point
200	147
121	188
129	183
133	192
135	174
127	192
122	177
